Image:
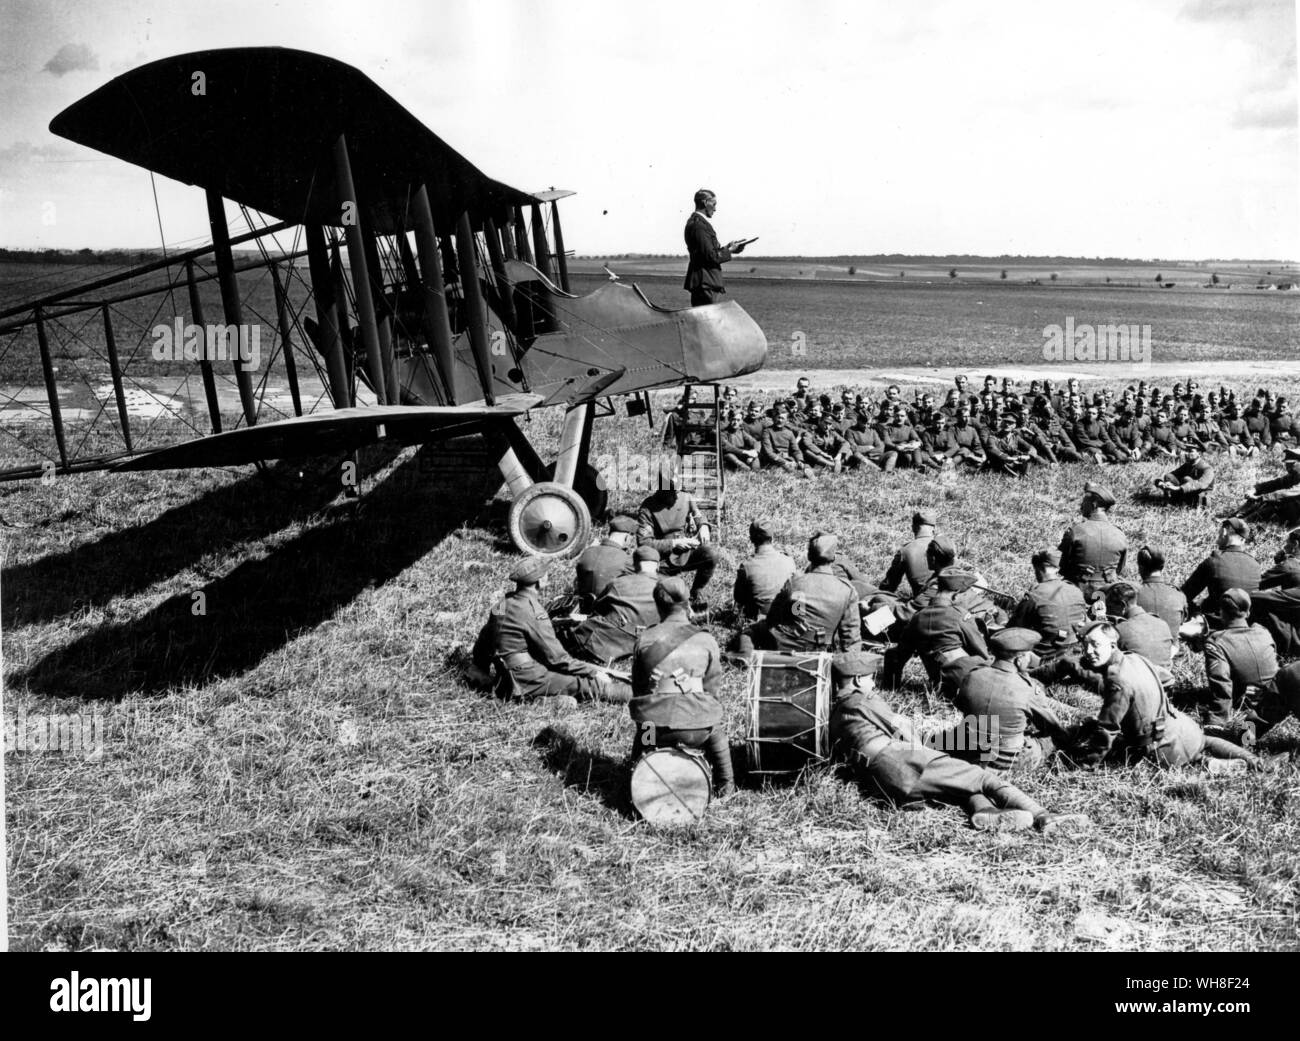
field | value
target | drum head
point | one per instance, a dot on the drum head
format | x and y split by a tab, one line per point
672	786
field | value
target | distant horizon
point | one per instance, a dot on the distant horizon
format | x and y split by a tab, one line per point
837	258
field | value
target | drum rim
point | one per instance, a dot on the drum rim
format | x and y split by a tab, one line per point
692	755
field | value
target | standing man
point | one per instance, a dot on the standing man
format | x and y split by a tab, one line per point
704	271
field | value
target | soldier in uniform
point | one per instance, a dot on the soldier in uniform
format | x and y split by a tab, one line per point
1136	720
676	674
1008	452
600	564
1139	631
1280	495
625	608
1190	481
1093	438
1230	566
883	751
817	610
754	422
1240	660
1276	703
1156	596
662	524
866	448
1053	608
760	578
910	562
739	447
964	441
519	638
946	637
1001	703
1277	604
780	446
1093	550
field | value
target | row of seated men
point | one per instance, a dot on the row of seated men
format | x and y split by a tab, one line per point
1005	434
817	609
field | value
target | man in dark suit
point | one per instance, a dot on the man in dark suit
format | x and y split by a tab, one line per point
707	255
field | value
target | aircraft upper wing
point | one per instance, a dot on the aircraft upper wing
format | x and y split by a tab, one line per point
337	430
262	130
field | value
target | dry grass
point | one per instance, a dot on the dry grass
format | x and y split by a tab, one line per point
303	768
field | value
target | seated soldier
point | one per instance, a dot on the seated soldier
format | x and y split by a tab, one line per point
883	751
1136	720
519	639
1275	704
780	446
1093	550
866	448
625	608
1240	661
1189	483
600	564
1156	596
821	447
911	561
663	523
1053	608
1280	495
1229	566
760	578
946	637
816	611
1008	452
739	447
676	675
964	442
1277	604
1139	631
1000	703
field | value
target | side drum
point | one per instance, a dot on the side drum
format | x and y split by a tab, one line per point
789	713
672	785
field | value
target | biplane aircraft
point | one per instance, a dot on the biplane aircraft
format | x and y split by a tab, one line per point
451	317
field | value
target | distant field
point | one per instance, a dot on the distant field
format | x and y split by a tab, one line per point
956	324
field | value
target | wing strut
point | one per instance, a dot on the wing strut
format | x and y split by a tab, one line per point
230	302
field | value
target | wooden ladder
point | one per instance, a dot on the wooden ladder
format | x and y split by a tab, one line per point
699	451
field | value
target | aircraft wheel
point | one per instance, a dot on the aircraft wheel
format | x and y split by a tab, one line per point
590	486
549	520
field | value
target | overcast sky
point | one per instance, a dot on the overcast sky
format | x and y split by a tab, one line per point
1142	128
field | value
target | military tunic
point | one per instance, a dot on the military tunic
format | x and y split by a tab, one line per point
759	579
1056	610
599	566
817	610
519	634
625	607
1166	602
1240	659
1093	554
910	563
1001	692
1223	569
662	520
1137	719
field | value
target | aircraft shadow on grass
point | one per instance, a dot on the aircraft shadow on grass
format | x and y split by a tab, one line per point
93	573
259	606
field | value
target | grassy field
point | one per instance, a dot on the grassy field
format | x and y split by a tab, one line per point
302	766
292	760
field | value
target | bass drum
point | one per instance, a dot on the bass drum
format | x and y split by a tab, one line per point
672	786
789	713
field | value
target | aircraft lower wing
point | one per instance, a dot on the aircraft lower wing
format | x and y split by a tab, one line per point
338	430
